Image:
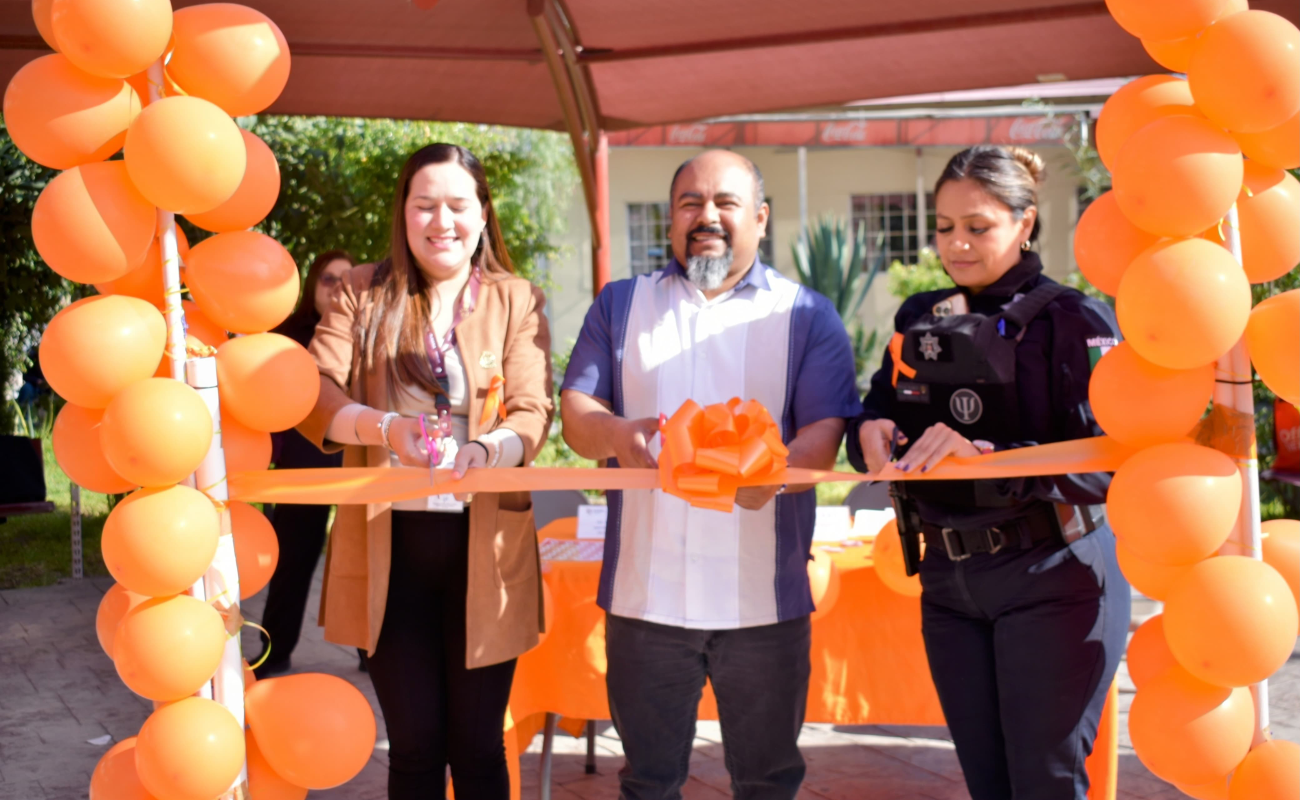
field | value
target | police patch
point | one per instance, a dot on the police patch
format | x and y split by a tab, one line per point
1099	346
966	406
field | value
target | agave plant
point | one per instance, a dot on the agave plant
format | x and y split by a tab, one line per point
836	263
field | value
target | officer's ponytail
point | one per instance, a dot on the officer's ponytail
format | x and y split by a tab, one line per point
1011	175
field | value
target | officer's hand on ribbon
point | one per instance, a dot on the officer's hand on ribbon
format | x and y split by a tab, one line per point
878	437
936	444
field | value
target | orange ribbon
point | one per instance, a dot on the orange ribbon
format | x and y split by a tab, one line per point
495	402
709	451
896	353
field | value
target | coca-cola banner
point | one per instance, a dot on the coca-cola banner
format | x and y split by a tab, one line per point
954	132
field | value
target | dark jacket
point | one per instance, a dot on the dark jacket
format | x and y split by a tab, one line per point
1053	365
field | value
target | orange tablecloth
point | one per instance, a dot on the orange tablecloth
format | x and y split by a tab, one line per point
868	660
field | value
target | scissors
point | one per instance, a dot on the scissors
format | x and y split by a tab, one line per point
433	446
895	439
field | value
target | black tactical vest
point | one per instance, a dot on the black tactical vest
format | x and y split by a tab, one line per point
965	376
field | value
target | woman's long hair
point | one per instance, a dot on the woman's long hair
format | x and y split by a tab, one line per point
402	310
306	314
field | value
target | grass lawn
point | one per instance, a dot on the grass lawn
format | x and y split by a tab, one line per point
36	550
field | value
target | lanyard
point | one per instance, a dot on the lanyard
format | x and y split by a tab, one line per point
436	351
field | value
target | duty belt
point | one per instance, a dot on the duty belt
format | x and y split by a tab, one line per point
1061	522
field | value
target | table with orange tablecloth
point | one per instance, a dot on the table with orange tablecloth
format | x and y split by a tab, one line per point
868	659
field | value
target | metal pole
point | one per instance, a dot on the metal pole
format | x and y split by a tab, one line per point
803	194
74	510
1234	389
922	235
548	741
600	240
591	747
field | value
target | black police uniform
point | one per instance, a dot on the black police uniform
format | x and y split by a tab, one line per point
1024	609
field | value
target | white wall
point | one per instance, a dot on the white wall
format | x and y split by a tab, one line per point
642	175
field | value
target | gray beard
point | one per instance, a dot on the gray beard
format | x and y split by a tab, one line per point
708	272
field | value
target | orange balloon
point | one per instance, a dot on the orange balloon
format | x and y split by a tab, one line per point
1166	19
1214	790
1282	551
824	581
98	346
1151	579
1183	303
263	782
1105	243
1273	339
1136	105
168	647
41	16
1270	772
200	327
315	730
192	749
244	281
268	381
231	55
1190	732
91	225
257	550
1245	72
112	38
1267	212
59	116
1148	654
254	198
185	154
76	447
1173	54
146	280
112	607
158	542
1276	147
887	555
246	450
1141	404
249	677
1231	620
1175	503
156	431
1177	176
115	776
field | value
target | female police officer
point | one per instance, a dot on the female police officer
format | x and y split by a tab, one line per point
1024	610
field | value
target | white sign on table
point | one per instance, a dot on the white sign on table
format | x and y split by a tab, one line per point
833	524
591	521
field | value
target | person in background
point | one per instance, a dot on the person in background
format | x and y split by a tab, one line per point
415	353
300	529
1024	611
693	593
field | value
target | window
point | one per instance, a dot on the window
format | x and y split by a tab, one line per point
894	216
647	228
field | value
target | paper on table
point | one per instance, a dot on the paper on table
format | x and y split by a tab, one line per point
869	521
833	524
591	521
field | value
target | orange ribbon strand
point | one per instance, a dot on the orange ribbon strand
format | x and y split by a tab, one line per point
495	402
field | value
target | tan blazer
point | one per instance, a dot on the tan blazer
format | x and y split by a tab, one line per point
506	334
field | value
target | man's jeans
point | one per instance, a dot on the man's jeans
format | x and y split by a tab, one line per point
760	677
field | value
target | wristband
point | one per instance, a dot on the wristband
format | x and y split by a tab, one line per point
487	454
384	425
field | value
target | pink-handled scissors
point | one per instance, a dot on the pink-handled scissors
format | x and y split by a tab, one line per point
435	453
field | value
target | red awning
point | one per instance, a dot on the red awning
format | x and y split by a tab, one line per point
650	63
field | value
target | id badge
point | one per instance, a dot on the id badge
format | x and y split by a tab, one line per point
446	503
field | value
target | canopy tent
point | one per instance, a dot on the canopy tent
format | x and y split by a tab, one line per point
591	66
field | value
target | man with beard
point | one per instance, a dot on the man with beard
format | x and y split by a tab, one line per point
690	593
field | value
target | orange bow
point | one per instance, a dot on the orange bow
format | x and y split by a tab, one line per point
710	452
896	353
495	403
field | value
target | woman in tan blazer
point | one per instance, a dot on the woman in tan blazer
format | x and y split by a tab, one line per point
444	592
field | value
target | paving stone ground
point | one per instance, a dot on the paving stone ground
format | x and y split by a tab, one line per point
58	692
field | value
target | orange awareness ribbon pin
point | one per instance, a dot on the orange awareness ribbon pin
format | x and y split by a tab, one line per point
495	402
710	452
896	353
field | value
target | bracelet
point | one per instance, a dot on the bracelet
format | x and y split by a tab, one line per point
385	424
487	454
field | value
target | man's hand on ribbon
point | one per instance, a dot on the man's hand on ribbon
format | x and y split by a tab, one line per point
632	442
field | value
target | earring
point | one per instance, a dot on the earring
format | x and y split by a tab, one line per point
1024	245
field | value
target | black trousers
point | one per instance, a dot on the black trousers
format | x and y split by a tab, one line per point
438	713
1023	646
760	677
300	530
